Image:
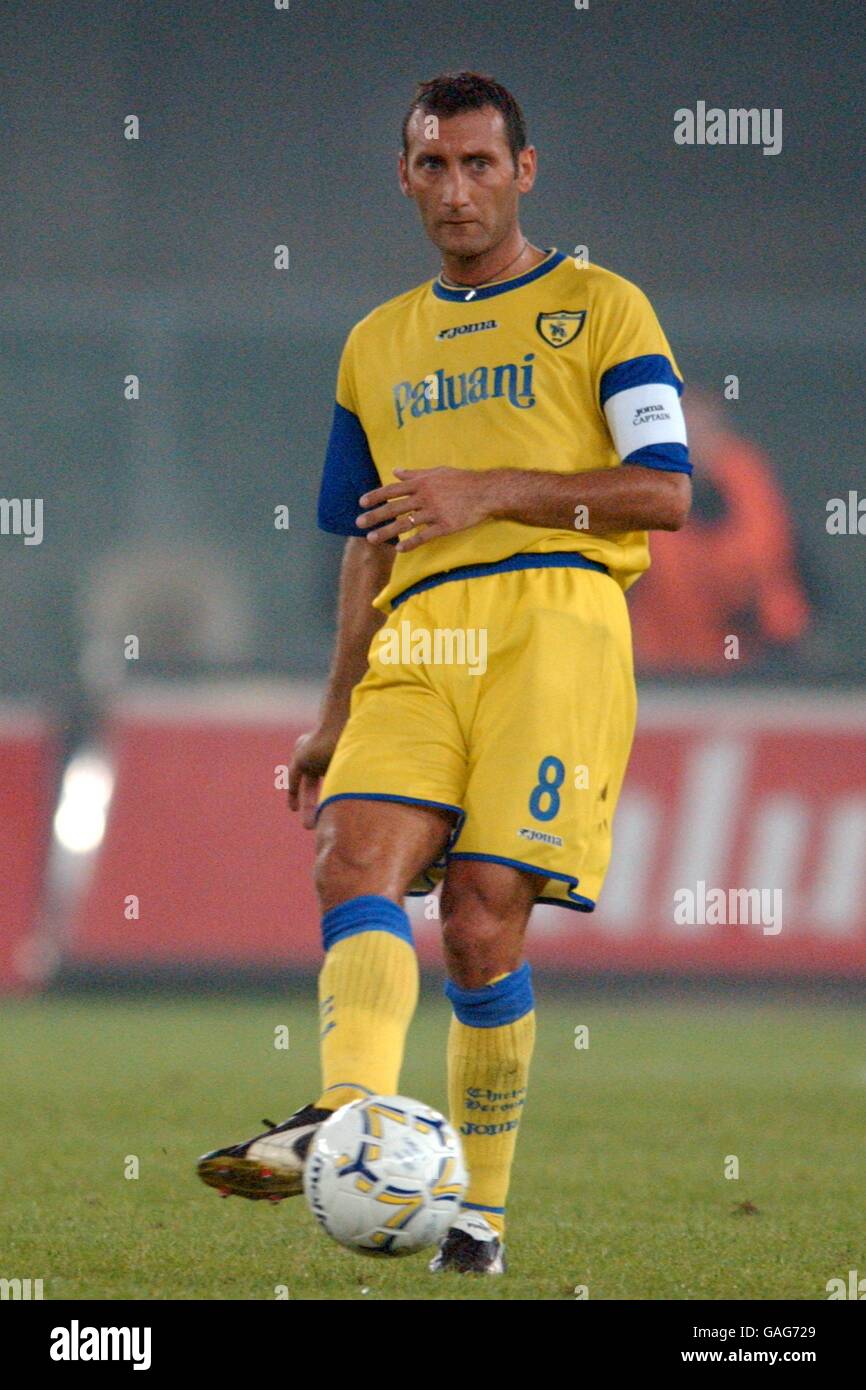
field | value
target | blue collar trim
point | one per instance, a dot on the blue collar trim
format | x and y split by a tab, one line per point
460	296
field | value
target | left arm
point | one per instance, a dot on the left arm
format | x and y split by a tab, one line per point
440	501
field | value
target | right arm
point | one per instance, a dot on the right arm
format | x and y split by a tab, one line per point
349	471
365	570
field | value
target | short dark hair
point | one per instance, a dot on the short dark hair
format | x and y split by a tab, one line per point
451	92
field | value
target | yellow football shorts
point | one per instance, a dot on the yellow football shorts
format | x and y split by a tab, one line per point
509	698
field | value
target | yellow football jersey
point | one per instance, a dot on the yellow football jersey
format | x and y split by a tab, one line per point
562	369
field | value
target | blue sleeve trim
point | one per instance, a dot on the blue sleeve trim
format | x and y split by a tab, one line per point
650	370
672	458
349	472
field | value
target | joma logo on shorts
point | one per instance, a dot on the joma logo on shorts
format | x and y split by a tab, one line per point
527	834
440	391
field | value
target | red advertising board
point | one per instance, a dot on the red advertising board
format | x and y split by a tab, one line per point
726	798
740	843
27	761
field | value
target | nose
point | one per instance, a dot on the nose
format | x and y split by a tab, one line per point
455	190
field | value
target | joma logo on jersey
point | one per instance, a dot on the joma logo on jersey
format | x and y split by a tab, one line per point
441	391
466	328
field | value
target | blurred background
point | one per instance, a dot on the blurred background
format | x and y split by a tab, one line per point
162	645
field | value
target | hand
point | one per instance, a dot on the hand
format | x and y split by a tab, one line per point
438	501
313	753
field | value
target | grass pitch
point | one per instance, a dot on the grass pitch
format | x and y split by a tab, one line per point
619	1182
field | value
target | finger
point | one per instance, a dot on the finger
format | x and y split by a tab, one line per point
294	786
296	769
382	494
378	515
309	801
427	533
395	528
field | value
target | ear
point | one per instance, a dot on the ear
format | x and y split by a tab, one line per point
527	168
402	175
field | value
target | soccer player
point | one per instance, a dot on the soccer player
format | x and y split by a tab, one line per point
504	437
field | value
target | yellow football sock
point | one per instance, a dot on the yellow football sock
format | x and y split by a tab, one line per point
488	1072
368	990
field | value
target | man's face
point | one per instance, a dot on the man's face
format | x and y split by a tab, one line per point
461	174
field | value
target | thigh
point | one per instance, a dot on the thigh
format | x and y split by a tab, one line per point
368	846
403	743
552	735
485	909
403	740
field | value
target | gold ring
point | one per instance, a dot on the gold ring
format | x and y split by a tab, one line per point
410	518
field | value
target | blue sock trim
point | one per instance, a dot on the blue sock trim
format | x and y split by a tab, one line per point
494	1005
369	912
476	1206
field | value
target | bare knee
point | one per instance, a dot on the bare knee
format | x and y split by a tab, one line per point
475	948
485	908
342	864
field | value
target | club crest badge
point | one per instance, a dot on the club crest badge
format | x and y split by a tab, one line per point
561	328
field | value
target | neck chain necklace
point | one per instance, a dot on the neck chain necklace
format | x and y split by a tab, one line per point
457	284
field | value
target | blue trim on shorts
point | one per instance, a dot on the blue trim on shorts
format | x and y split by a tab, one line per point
553	559
392	796
440	863
585	904
576	900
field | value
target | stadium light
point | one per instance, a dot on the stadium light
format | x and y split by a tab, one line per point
79	821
